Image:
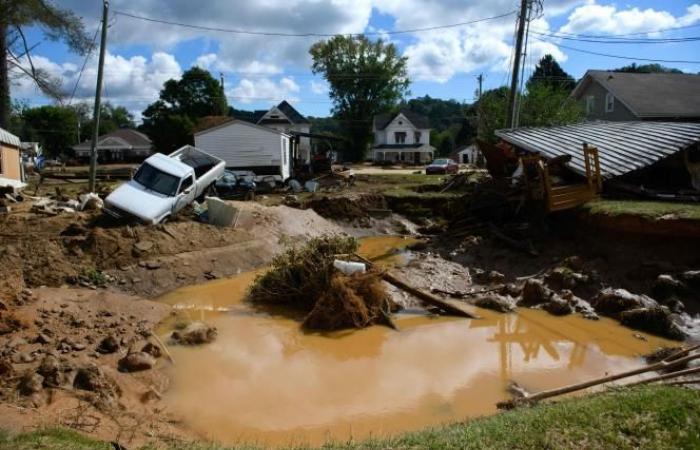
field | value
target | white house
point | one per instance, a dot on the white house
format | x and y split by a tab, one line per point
286	119
402	137
468	154
120	145
246	146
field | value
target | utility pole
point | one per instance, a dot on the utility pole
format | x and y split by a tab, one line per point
221	77
98	97
513	97
480	78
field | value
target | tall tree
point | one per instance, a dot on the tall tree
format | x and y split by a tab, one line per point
365	78
111	118
15	51
54	127
548	72
170	120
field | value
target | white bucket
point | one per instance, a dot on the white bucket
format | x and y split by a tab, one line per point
349	267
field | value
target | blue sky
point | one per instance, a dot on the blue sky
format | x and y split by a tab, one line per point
262	70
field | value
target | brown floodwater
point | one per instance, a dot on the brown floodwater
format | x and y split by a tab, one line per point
266	381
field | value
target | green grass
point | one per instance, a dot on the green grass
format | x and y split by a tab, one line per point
658	417
648	209
402	192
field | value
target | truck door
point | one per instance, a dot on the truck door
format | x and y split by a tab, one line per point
185	195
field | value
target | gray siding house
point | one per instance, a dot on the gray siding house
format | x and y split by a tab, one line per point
621	96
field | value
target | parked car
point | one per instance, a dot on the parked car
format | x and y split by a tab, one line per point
163	185
234	186
442	166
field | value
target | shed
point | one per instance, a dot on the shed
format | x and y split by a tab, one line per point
246	146
623	147
10	160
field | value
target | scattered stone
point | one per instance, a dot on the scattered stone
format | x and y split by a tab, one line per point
495	277
143	246
691	277
574	263
153	350
92	379
612	302
565	278
511	289
558	306
30	384
534	293
23	358
43	339
666	286
496	302
110	344
50	370
152	265
136	362
6	368
195	333
656	320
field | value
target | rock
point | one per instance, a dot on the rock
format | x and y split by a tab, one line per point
534	293
511	289
565	278
110	344
152	265
50	370
43	339
143	246
195	333
574	263
666	286
153	350
6	368
558	306
23	358
496	302
92	379
136	362
674	304
3	306
612	302
30	384
656	320
495	277
691	277
580	305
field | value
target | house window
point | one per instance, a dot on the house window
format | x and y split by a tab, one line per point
590	102
417	137
400	137
609	102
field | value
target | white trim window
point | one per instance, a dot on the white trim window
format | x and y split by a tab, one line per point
590	103
609	102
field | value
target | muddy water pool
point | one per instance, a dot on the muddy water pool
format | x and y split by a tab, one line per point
266	381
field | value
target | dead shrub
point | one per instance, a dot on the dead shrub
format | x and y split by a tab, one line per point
304	279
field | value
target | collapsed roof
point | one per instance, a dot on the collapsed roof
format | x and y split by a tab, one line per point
623	147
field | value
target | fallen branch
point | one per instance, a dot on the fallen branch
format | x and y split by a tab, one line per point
462	294
671	361
165	349
424	296
684	382
667	376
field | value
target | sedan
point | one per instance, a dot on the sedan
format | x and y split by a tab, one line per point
442	166
233	186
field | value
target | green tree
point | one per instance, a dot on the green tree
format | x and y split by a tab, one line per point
365	78
15	52
54	127
647	68
111	118
491	112
170	120
548	72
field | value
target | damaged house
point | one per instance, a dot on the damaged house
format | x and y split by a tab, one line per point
10	160
645	159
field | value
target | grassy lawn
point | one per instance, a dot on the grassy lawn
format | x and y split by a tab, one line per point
648	209
658	417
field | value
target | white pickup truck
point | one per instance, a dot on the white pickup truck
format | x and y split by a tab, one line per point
163	185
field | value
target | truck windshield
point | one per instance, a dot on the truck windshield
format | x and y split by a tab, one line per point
157	180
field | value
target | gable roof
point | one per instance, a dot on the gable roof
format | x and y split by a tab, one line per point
288	110
382	121
131	137
649	95
232	121
8	138
623	147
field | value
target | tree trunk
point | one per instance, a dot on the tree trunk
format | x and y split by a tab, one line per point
5	102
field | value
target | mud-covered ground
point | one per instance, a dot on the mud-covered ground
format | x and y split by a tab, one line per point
71	282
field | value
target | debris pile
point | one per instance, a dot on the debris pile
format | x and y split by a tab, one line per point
305	279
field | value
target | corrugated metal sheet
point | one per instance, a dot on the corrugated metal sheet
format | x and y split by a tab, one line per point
623	146
8	138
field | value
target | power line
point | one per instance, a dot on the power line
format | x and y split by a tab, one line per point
614	36
279	34
87	56
621	40
619	56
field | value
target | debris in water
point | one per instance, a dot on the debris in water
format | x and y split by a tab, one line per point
196	333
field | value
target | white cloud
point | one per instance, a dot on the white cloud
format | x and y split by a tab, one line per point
265	90
608	19
318	87
206	61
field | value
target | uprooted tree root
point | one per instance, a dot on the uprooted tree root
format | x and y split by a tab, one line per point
304	279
